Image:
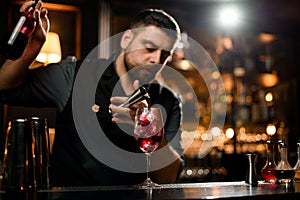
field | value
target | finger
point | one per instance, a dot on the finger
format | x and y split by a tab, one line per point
39	5
95	108
45	20
122	120
136	84
37	11
44	13
26	5
117	100
140	104
43	23
119	110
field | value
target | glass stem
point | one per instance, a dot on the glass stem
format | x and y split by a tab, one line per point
148	155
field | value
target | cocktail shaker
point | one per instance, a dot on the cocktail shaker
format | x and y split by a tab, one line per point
19	172
27	155
42	151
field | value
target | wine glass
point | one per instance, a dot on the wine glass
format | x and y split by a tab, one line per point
148	133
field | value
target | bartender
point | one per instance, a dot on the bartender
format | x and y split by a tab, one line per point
144	46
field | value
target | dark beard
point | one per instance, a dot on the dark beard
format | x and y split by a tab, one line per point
125	63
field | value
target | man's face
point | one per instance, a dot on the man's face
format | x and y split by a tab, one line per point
146	52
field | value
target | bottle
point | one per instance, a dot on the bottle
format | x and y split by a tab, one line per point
297	165
267	172
284	173
14	41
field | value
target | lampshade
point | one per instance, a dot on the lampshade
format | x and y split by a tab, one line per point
51	51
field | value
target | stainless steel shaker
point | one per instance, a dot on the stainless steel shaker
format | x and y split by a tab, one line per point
27	155
42	152
19	172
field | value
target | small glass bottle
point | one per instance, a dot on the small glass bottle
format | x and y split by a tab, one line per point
267	172
297	165
14	41
284	173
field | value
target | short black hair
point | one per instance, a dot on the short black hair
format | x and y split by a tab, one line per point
156	17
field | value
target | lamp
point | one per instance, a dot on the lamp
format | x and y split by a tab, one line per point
51	50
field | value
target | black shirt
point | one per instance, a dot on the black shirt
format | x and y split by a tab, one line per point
72	163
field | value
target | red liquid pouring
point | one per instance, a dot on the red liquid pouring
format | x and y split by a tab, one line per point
149	131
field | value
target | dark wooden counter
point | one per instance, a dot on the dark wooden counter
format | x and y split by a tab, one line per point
216	190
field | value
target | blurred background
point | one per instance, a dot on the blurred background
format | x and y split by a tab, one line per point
255	45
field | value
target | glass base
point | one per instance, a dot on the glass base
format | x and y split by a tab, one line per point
148	183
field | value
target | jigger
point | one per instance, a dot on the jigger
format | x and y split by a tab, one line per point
138	95
251	176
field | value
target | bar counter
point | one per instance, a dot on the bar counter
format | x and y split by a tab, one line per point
210	190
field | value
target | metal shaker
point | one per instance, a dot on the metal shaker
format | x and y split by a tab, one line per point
18	157
42	151
251	176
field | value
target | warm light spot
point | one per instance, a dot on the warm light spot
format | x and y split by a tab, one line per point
215	75
268	79
189	172
239	71
266	38
206	137
229	133
227	42
269	97
242	130
185	65
215	131
229	16
271	129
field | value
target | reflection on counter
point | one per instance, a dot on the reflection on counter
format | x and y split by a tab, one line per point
213	157
213	190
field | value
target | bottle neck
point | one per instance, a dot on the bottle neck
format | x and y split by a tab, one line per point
283	154
298	151
270	150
